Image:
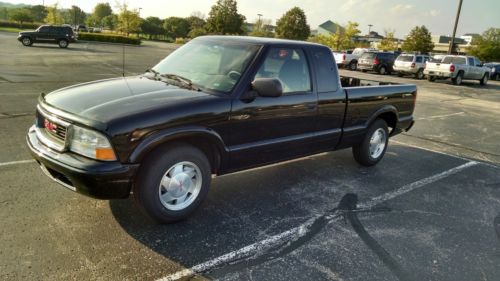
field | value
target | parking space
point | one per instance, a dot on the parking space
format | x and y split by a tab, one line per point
428	211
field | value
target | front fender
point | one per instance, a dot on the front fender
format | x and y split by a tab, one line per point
168	135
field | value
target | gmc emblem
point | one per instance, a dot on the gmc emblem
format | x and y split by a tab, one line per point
50	126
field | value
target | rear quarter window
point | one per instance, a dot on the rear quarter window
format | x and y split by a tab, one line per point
326	72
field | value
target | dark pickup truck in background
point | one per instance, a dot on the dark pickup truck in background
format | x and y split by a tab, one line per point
214	106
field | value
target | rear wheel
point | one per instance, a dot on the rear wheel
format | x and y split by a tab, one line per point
431	78
382	70
457	80
400	74
372	149
420	74
353	65
63	43
26	41
172	183
363	70
484	80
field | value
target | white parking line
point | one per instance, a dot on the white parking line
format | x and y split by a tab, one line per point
16	162
440	116
258	248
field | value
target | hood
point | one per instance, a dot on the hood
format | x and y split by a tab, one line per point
105	100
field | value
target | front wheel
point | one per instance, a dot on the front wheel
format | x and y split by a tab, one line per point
26	41
172	183
372	149
431	78
63	43
484	80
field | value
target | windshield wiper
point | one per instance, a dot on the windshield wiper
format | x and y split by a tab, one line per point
184	82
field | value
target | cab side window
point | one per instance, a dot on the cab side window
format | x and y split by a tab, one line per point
326	72
471	61
290	67
419	60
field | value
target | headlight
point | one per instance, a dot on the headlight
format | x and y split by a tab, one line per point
91	144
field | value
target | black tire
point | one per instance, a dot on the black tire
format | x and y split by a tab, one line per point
361	151
147	188
363	70
431	78
382	70
484	80
458	79
400	74
420	74
63	43
26	41
353	66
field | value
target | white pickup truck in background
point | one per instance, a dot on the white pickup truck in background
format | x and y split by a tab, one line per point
349	59
458	68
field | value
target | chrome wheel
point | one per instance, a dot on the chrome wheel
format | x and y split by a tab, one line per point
377	143
382	70
180	186
63	43
26	41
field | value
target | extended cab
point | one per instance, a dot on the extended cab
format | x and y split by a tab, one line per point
458	68
350	59
216	105
52	34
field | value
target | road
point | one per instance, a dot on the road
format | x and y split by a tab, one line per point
428	211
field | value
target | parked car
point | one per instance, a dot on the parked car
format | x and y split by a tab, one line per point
381	62
458	68
349	59
163	134
81	28
495	70
52	34
411	64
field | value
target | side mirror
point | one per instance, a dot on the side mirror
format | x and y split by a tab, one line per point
268	87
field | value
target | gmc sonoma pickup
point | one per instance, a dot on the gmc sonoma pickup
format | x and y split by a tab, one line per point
217	105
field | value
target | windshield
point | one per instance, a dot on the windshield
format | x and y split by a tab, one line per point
368	55
405	58
208	64
454	60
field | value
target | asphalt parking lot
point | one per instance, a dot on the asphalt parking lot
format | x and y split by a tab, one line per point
429	211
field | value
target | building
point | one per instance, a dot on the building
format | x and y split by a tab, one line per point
469	37
329	28
442	43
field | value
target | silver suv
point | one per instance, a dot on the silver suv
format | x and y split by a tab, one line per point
411	64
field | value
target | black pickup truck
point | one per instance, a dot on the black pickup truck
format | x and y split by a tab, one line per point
217	105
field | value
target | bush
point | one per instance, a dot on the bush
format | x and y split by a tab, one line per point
106	37
25	25
181	40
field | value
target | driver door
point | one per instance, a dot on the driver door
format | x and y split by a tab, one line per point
269	129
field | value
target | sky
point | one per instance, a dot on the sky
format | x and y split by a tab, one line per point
391	15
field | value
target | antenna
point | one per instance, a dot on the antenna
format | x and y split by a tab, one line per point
123	59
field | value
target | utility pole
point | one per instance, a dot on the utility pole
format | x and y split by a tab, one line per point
452	41
369	29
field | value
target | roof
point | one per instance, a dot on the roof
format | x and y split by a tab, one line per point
255	40
331	26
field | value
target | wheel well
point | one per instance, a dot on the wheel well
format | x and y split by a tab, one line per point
203	143
390	118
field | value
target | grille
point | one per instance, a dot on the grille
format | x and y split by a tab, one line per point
52	128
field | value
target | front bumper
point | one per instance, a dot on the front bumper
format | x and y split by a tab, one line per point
102	180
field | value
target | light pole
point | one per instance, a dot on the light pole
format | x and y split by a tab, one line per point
450	48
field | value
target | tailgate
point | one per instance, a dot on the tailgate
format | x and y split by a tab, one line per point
436	66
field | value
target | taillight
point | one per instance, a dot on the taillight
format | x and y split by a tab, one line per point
375	61
452	68
413	65
343	57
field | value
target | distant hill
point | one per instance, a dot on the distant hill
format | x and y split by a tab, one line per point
10	5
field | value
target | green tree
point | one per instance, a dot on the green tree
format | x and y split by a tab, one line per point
38	12
197	32
388	43
176	27
293	25
419	40
53	15
487	46
225	19
128	20
101	10
196	22
21	15
262	28
110	22
76	15
152	26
